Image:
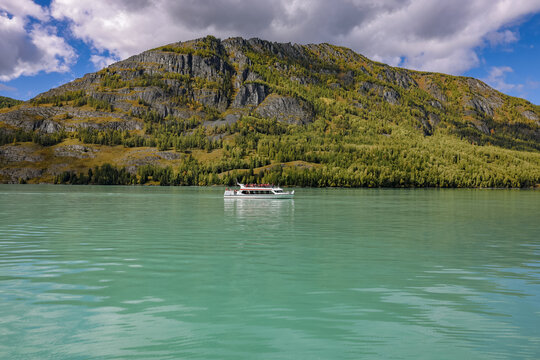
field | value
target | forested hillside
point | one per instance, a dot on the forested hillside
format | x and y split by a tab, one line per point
6	102
210	112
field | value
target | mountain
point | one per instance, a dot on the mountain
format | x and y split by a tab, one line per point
209	112
6	102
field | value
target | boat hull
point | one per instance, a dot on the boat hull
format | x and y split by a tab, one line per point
259	196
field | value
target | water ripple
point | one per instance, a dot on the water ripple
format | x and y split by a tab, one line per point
133	272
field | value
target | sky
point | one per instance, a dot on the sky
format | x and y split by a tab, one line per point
46	43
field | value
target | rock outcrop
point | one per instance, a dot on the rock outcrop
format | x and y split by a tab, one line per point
388	94
19	153
250	95
18	175
285	109
75	151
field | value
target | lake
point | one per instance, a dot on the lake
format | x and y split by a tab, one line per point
99	272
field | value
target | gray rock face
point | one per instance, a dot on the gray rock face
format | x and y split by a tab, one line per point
142	157
15	175
282	50
33	119
304	80
250	95
75	151
40	119
531	116
285	109
429	123
347	79
210	68
168	155
389	95
397	77
478	86
49	127
480	125
330	53
245	75
83	83
487	99
436	104
228	119
78	113
110	125
248	75
483	105
18	153
434	90
233	47
148	95
211	98
367	86
364	70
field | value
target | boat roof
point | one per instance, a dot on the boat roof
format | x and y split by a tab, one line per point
258	187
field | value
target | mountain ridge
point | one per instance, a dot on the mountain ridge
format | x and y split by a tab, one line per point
7	102
208	94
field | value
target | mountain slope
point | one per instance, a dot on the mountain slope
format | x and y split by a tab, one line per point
6	102
209	111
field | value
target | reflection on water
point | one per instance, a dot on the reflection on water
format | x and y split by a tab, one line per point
258	208
347	274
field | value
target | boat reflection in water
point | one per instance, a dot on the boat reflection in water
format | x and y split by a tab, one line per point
267	209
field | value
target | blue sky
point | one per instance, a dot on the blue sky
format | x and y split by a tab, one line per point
520	75
47	43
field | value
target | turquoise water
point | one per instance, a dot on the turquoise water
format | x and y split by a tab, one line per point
180	273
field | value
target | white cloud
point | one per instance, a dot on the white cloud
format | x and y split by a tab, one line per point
100	61
421	34
23	8
122	28
497	79
4	87
502	37
27	46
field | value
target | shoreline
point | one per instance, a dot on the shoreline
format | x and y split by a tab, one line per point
536	187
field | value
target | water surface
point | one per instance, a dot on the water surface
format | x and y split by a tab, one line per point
169	273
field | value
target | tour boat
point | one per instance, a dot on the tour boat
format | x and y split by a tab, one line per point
258	191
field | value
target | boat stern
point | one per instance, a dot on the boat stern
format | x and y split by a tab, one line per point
229	193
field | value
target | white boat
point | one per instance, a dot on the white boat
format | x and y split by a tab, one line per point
258	191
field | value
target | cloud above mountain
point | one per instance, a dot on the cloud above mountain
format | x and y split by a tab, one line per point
421	34
27	44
